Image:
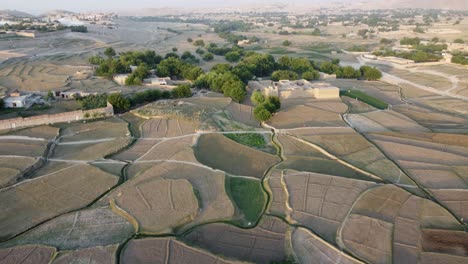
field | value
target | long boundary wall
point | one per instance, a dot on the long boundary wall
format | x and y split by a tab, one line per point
56	118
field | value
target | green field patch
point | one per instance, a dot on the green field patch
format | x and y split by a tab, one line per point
363	97
280	51
249	139
248	197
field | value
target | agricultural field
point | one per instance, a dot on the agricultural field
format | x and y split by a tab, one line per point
303	113
377	176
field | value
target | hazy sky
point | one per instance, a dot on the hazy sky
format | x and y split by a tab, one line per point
38	6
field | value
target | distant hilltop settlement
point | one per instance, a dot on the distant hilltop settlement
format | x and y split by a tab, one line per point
287	89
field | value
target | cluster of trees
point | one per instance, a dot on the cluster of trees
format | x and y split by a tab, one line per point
370	73
264	106
222	78
416	56
172	65
293	68
460	59
410	41
122	103
82	29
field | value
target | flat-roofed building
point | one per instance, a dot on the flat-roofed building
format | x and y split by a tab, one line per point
286	89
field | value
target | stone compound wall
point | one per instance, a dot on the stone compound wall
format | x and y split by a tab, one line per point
56	118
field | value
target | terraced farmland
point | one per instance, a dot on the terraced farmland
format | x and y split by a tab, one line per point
197	181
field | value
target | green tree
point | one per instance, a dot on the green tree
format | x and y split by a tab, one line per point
284	75
287	43
234	89
120	103
208	56
96	60
109	52
232	56
199	43
189	40
257	98
243	72
459	41
181	91
50	96
371	74
300	65
311	75
261	114
275	101
192	73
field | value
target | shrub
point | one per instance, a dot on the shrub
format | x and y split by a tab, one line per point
120	103
232	56
287	43
199	43
181	91
208	57
459	41
262	114
284	75
257	98
370	74
109	52
311	75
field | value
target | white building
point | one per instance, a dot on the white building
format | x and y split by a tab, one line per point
120	78
17	101
157	81
286	89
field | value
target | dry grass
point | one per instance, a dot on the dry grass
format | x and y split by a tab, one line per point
18	147
11	167
90	151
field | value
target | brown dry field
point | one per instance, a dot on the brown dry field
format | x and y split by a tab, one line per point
51	73
243	114
29	203
297	113
179	149
390	120
166	128
426	79
356	106
101	255
166	250
352	147
321	202
262	244
446	104
309	248
45	132
368	238
157	205
293	147
30	254
110	128
447	242
388	217
213	150
89	151
411	92
386	92
436	121
82	229
136	150
12	167
213	201
19	147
